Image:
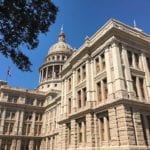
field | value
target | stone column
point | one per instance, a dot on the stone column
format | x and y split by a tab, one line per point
133	61
15	131
114	133
138	128
44	123
147	74
13	145
106	130
109	74
127	73
41	74
18	146
64	132
31	145
73	134
122	128
88	88
21	122
90	130
102	91
65	98
100	63
46	144
46	72
145	119
33	124
118	74
2	121
92	69
74	106
59	71
138	88
62	98
83	132
53	71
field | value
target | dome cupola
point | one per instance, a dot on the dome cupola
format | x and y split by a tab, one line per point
61	46
50	77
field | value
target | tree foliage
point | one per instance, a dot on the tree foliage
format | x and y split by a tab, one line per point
21	21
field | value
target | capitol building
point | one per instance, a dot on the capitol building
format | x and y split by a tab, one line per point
93	98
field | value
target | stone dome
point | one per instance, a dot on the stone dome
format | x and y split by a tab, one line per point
61	46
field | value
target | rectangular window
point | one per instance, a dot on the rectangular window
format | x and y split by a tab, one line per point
11	128
97	63
36	130
148	62
79	99
144	129
69	105
56	70
78	75
39	130
129	58
102	129
104	126
103	61
99	94
69	133
83	72
69	84
49	72
81	124
80	132
84	96
134	85
105	88
136	60
6	127
142	87
13	98
28	130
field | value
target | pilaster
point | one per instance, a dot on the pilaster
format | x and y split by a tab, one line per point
13	145
73	91
33	123
31	145
16	123
18	146
147	74
21	122
122	126
114	130
127	73
109	74
73	134
118	72
2	121
90	131
138	128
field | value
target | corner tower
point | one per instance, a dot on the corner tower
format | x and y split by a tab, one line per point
58	53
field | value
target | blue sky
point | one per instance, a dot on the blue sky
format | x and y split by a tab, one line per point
80	18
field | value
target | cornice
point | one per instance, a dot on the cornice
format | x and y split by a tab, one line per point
107	105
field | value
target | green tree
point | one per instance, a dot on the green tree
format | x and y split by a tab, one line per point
21	21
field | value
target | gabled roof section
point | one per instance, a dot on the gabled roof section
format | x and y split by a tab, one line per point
115	24
114	27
